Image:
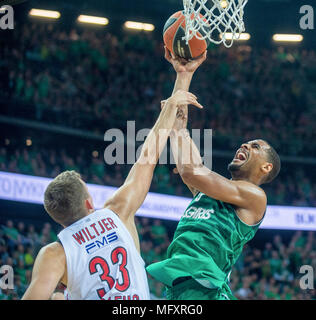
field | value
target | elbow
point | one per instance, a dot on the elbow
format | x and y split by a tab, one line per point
186	174
191	175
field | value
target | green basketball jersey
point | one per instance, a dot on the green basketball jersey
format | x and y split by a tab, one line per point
208	241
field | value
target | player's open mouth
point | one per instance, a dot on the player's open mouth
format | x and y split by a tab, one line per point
240	156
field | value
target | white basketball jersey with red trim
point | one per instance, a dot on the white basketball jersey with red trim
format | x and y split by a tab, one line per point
102	260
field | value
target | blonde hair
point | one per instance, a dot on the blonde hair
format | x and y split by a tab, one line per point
64	198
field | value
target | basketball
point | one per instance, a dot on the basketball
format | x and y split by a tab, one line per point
173	33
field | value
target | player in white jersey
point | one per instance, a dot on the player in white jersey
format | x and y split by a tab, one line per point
113	268
98	253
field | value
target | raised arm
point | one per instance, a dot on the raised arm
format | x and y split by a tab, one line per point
242	194
128	198
249	199
185	71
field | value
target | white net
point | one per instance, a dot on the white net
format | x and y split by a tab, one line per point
215	20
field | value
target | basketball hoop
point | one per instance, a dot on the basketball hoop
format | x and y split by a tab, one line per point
214	20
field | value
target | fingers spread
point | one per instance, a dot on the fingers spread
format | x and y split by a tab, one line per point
192	95
195	103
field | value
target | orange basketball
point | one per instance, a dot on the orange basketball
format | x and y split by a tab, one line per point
173	33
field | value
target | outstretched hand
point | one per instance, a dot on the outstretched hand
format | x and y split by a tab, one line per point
182	65
181	98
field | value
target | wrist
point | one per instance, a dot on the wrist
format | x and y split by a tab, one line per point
185	75
183	81
172	102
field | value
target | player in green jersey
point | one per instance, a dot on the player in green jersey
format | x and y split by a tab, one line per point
223	215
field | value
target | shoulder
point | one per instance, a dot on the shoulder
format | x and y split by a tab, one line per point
52	259
52	251
254	197
251	190
255	205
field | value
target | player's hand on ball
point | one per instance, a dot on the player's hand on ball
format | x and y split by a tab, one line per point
181	65
182	97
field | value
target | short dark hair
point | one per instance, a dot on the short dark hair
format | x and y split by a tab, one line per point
272	157
64	198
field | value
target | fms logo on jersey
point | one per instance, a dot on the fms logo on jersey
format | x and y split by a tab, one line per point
99	233
98	244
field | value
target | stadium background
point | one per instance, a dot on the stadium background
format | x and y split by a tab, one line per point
64	84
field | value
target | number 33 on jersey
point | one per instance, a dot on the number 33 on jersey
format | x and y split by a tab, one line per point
102	260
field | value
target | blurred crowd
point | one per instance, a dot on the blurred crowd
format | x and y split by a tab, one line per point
92	79
19	246
95	80
293	187
272	272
